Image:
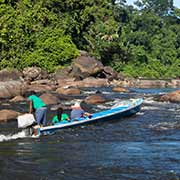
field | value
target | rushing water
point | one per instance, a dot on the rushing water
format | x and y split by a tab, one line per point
142	147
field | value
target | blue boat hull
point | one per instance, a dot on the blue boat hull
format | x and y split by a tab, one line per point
110	114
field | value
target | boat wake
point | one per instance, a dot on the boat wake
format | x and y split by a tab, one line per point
18	135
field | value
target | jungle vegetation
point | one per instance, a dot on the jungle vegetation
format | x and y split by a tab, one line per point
139	42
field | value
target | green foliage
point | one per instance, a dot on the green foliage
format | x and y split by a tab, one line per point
141	42
29	35
52	49
160	7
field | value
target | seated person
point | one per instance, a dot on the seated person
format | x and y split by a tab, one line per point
78	112
60	117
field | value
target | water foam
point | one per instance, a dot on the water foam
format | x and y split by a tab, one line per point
18	135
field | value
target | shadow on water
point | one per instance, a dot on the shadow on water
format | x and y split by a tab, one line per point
144	146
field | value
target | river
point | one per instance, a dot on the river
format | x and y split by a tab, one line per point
142	147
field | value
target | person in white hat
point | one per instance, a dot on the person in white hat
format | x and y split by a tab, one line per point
78	112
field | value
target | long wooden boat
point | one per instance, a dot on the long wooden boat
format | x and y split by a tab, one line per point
123	109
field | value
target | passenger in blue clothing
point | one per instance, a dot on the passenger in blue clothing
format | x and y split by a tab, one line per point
78	112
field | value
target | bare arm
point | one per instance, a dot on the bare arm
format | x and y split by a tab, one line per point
30	107
87	114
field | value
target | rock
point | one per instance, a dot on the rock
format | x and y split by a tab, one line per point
93	82
87	65
34	73
63	73
171	97
122	83
10	75
17	99
66	81
83	53
48	82
98	92
143	83
82	67
68	91
110	73
87	82
120	89
6	115
68	72
11	88
175	82
39	87
49	99
95	99
77	74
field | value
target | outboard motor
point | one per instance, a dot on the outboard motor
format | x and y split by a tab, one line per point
28	123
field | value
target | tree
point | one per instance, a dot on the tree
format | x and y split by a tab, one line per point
139	42
159	7
20	32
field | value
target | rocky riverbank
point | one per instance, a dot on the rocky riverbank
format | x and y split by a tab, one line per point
84	72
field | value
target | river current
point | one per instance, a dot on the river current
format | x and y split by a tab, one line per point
145	146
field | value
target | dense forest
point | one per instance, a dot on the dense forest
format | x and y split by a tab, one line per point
140	42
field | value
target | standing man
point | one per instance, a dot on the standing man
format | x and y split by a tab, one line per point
40	108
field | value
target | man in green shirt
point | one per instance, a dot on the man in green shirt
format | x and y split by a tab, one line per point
40	108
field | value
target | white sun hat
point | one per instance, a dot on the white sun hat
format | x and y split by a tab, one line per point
76	105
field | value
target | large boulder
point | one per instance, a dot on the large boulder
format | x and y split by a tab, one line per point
144	83
171	97
49	82
87	65
175	82
18	99
94	82
49	98
81	67
120	89
95	99
84	67
109	73
34	73
123	82
10	75
87	82
63	73
38	87
68	91
66	81
6	115
11	88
